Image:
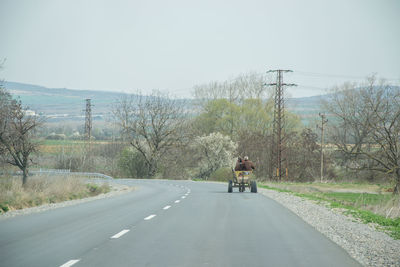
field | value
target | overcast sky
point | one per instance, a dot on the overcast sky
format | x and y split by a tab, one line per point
173	45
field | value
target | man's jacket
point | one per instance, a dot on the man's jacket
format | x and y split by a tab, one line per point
248	165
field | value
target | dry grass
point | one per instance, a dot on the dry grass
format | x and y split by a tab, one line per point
390	207
44	189
67	146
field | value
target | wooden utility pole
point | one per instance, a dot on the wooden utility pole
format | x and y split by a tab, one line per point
279	124
323	121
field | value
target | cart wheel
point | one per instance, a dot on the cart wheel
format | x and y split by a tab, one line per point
230	186
253	186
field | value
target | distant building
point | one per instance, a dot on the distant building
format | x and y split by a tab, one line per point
29	112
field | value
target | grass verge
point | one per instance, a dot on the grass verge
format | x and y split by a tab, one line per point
351	202
41	190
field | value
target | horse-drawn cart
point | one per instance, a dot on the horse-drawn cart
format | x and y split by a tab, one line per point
242	179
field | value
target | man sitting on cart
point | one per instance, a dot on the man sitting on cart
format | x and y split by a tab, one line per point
239	165
247	164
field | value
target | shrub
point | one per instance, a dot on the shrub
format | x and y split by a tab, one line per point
132	163
222	174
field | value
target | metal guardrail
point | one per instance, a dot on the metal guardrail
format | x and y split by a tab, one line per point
54	170
90	175
62	172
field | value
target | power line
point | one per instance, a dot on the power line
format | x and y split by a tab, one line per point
279	124
312	87
316	74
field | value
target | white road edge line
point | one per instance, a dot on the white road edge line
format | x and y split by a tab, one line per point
69	263
177	201
150	217
120	233
166	207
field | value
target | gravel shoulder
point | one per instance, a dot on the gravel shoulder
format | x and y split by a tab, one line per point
116	189
362	241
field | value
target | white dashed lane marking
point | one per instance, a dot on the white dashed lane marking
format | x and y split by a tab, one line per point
69	263
150	217
72	262
120	233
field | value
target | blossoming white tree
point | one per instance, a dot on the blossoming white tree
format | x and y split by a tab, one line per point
214	151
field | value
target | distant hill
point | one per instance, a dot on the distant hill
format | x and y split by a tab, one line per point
62	103
306	107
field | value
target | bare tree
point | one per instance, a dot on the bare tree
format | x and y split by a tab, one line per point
151	124
245	86
351	115
303	155
369	116
17	132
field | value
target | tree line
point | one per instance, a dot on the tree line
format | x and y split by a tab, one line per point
161	136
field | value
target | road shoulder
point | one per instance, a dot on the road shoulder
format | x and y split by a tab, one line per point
361	241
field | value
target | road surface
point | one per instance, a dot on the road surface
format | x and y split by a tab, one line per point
168	223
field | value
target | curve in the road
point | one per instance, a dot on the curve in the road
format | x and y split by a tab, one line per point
168	223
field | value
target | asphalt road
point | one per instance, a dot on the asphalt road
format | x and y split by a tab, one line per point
168	223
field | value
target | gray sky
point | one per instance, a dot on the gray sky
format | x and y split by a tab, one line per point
173	45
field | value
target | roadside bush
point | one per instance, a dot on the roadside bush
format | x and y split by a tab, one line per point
132	163
96	189
222	174
3	207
